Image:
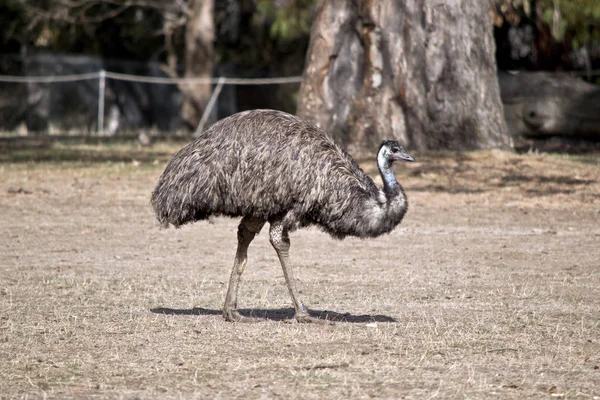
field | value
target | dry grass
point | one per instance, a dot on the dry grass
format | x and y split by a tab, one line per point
491	287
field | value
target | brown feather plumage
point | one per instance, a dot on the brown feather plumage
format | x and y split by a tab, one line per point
269	165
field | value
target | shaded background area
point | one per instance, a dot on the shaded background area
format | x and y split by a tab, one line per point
252	38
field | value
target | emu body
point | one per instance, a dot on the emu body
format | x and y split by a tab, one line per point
269	166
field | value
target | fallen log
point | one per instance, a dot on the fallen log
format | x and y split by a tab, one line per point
543	105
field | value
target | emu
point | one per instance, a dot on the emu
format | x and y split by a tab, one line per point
269	166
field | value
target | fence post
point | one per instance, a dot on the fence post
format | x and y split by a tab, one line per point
101	90
209	107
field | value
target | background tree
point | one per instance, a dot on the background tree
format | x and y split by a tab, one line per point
548	35
199	38
127	29
421	71
258	38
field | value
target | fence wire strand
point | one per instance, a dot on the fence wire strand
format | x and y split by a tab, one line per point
176	81
50	79
149	79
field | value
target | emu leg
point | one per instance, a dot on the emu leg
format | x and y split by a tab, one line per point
247	229
279	238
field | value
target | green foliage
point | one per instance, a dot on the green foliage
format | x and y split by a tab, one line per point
270	37
265	31
288	19
574	20
105	28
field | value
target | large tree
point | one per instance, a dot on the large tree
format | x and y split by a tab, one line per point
199	38
421	71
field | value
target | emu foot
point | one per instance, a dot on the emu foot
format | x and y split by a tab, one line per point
307	319
235	316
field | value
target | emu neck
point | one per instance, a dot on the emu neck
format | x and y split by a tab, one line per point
390	184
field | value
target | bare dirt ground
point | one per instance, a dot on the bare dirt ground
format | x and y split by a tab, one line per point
489	288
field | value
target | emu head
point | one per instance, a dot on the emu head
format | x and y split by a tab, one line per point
390	151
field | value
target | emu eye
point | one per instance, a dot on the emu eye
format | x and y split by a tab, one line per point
395	149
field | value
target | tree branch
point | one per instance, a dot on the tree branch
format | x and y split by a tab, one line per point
75	11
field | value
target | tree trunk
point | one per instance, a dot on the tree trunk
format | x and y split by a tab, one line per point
199	38
419	71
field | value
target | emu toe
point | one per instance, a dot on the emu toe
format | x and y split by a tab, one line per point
235	316
307	319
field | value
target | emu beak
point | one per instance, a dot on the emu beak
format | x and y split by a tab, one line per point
402	155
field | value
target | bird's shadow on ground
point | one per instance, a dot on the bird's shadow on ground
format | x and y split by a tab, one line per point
279	314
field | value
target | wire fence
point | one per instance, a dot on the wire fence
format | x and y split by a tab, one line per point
102	76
